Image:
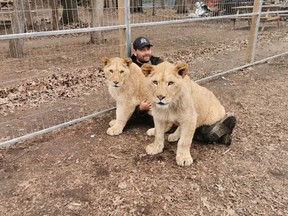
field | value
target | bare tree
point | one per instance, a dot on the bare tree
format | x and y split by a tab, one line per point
154	10
181	6
162	3
108	3
136	6
28	15
70	12
16	46
111	4
55	15
97	20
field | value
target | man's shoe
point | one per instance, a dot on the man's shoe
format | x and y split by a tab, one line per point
226	139
223	127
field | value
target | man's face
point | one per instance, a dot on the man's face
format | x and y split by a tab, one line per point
144	54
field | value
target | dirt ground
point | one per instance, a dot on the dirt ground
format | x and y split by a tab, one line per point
80	170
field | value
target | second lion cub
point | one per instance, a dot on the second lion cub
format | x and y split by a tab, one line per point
125	84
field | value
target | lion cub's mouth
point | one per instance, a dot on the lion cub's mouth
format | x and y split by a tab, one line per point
161	105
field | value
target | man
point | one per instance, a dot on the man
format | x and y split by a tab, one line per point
220	132
142	53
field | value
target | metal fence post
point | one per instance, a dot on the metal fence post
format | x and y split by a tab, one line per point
253	34
128	28
124	19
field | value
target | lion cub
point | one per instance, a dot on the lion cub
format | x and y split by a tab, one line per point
177	99
125	84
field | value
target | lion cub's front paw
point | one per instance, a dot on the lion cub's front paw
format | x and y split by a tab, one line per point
154	149
173	137
184	159
112	122
151	132
112	131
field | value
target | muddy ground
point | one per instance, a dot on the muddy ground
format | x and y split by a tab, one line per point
80	170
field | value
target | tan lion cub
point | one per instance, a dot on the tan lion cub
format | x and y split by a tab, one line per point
125	84
177	99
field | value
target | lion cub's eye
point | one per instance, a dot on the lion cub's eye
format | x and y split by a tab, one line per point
111	71
155	82
122	71
170	83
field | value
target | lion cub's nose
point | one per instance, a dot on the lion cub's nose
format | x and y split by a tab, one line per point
115	82
161	97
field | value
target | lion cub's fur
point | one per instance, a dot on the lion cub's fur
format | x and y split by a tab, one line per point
125	84
177	99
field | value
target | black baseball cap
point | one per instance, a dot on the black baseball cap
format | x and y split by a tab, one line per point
141	42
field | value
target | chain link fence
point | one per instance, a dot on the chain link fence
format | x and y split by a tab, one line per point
50	51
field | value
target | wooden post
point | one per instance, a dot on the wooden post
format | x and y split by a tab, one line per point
28	15
55	15
16	46
153	10
121	20
96	21
252	41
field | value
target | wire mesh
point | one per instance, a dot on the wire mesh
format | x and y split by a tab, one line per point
56	77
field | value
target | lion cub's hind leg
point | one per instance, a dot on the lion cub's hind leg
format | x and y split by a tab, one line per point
151	131
123	113
175	136
158	144
112	122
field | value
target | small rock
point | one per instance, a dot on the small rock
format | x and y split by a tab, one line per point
122	185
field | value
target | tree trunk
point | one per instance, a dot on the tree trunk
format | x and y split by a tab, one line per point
70	12
136	6
16	46
28	15
113	4
132	5
106	3
182	6
97	20
55	15
32	8
162	2
154	10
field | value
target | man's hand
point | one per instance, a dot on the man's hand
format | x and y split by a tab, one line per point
145	106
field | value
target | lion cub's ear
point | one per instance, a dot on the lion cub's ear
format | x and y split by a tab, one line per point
181	69
128	61
105	60
147	69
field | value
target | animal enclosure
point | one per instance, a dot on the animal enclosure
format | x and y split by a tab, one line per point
80	170
59	78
